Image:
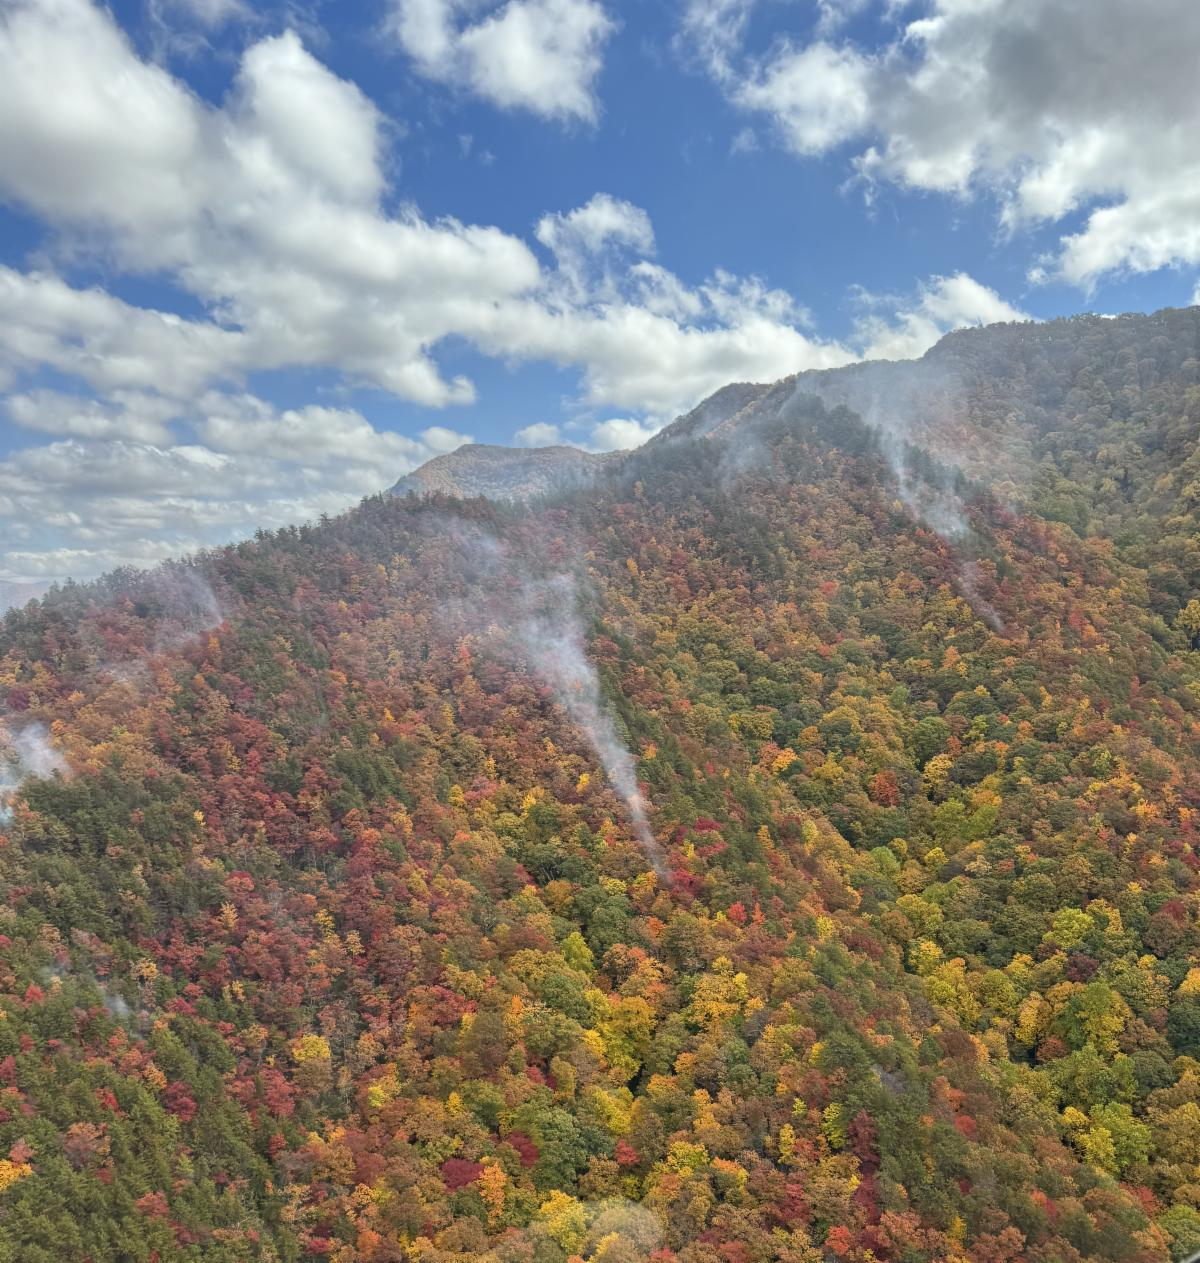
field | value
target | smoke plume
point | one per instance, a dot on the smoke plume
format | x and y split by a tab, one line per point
535	620
24	752
552	638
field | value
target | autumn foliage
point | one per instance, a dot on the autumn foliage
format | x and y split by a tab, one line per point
335	943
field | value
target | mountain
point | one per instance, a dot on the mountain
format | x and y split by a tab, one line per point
994	401
529	473
782	849
13	595
720	408
502	473
1067	416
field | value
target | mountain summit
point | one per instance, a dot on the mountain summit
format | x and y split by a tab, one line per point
502	473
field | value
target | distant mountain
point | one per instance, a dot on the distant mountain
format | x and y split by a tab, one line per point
503	473
14	595
527	473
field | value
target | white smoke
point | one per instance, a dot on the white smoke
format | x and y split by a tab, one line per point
24	752
175	604
928	494
189	606
552	638
116	1005
968	582
536	620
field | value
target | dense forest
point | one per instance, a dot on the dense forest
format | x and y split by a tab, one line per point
785	851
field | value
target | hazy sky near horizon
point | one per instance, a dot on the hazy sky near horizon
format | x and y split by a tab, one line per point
258	260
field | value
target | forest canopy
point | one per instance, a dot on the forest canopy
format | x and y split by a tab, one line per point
329	930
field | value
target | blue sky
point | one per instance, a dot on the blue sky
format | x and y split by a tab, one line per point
260	260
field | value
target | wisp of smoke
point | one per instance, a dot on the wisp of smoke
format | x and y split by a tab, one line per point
552	639
118	1008
24	753
176	605
924	481
610	1228
537	619
968	581
188	605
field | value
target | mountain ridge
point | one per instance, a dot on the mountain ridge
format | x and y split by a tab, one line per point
734	861
928	400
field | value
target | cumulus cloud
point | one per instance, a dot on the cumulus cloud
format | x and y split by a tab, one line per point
538	55
539	434
621	434
588	229
243	425
893	328
617	434
106	342
1051	106
819	95
582	239
125	415
648	342
82	505
268	211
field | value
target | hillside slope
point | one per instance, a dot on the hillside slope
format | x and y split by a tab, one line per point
733	861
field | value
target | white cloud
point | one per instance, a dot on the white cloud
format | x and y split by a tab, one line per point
914	324
1051	106
834	14
267	210
439	439
634	358
124	415
83	505
51	564
588	241
746	141
299	125
108	343
210	13
246	426
537	55
86	130
539	434
648	342
615	434
818	96
596	224
620	434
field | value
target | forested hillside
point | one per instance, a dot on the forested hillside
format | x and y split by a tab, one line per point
785	850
